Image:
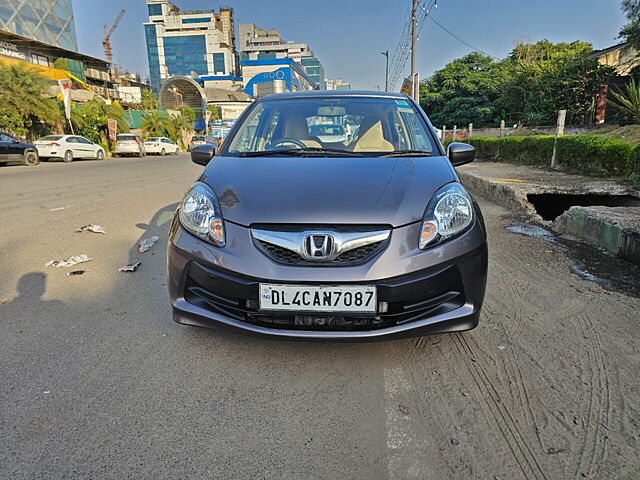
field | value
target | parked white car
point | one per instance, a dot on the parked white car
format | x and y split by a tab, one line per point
129	144
160	145
68	148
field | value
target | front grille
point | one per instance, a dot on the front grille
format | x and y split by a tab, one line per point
237	298
351	257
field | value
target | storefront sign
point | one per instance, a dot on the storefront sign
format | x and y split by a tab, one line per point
10	50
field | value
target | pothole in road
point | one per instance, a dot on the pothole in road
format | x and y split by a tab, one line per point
608	271
551	205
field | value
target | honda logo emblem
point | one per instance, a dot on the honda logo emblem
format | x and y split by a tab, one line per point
318	246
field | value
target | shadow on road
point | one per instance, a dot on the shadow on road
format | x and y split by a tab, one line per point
31	287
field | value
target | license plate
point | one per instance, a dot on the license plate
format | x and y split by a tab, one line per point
315	298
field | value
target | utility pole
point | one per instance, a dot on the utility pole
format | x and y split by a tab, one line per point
386	71
414	37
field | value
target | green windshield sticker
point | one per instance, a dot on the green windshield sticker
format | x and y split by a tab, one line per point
404	103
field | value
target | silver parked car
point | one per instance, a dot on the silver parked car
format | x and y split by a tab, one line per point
291	234
129	144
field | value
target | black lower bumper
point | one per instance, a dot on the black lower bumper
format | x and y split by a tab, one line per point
444	298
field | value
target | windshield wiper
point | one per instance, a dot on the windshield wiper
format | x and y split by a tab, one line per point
300	151
406	153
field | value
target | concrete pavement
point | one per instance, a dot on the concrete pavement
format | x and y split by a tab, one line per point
98	382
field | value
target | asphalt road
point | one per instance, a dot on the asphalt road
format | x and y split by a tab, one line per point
96	381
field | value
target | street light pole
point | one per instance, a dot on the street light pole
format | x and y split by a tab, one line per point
386	71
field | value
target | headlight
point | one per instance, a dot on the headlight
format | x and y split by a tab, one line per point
449	213
200	214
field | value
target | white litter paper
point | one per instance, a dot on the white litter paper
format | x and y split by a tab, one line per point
147	243
69	261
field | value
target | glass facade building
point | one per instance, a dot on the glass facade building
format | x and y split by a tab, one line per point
185	54
154	57
49	21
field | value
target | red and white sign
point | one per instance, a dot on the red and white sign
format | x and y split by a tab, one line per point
112	127
65	89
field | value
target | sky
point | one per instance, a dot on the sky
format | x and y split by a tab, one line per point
348	35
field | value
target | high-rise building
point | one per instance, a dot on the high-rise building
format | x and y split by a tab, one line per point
48	21
256	43
191	43
337	84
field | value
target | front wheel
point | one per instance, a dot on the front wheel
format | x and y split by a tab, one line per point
163	152
99	155
31	159
68	156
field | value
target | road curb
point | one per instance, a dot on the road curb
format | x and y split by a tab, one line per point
614	229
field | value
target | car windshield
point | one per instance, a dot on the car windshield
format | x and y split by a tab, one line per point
125	138
359	126
197	139
51	138
152	139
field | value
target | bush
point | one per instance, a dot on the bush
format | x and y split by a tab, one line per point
584	154
596	156
633	167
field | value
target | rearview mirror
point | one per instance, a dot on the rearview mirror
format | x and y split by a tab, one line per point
460	153
202	154
331	111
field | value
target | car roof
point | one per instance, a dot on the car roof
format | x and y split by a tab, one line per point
336	93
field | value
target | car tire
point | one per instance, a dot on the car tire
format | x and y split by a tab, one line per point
31	159
2	164
163	152
99	155
68	156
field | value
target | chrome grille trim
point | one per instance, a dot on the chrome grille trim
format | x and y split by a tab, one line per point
343	241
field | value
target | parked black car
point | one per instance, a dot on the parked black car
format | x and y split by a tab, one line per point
13	150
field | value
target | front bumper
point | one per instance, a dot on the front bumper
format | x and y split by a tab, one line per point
425	292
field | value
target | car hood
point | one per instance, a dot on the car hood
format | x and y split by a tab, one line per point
326	190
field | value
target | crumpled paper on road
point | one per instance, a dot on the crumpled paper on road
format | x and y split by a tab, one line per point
130	268
147	243
91	228
69	261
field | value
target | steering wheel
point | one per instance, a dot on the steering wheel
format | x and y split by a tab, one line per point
284	140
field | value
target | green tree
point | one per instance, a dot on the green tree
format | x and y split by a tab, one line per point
464	91
631	31
158	124
90	119
216	112
23	100
545	77
149	100
530	85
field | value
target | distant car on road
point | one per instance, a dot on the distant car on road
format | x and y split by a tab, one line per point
129	144
201	140
68	148
161	146
328	133
13	150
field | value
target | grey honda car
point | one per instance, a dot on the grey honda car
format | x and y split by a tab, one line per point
357	232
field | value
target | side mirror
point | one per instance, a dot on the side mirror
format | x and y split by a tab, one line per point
202	154
15	140
460	153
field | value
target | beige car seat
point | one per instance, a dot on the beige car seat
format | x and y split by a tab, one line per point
372	140
296	127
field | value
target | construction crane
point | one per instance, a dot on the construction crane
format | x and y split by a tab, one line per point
106	41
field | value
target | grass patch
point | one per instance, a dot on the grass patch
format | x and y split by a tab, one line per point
629	133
